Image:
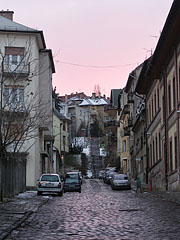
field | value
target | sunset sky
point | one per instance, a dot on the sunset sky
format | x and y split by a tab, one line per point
94	42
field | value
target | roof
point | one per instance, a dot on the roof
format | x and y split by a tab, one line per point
141	85
6	25
75	96
94	102
164	50
114	97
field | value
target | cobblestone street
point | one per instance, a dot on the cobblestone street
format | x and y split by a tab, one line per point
100	213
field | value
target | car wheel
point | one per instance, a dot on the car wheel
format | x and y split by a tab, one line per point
39	193
80	191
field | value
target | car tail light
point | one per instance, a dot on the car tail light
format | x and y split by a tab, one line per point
59	185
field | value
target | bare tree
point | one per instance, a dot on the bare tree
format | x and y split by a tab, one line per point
97	90
22	110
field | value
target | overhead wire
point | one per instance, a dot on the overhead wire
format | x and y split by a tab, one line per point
95	66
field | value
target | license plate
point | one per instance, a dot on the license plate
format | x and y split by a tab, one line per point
49	184
72	186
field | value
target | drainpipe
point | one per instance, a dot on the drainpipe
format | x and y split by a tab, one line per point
166	129
177	112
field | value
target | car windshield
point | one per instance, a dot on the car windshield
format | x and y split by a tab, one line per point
72	175
120	177
50	178
71	180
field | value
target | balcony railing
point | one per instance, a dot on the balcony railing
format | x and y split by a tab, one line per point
17	70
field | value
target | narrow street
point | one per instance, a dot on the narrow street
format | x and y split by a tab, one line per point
100	213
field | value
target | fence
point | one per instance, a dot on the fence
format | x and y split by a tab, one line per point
13	175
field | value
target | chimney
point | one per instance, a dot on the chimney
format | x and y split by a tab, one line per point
66	98
7	14
93	95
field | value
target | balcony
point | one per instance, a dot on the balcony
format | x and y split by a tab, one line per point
13	70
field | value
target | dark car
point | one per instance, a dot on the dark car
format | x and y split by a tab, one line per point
50	183
74	174
108	176
120	181
72	184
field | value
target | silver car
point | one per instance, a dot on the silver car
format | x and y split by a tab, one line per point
50	183
120	181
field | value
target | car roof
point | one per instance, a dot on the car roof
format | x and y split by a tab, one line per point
121	174
72	173
55	174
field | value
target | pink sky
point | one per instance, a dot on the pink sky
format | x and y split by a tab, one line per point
94	33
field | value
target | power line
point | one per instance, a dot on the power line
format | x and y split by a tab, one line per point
95	66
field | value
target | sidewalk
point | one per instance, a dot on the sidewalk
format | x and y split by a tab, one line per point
16	210
165	195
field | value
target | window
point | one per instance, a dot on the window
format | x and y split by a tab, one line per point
141	142
169	98
124	145
155	103
158	98
171	156
159	145
152	109
14	56
64	126
151	156
176	151
153	160
14	97
156	149
142	164
174	93
149	113
64	141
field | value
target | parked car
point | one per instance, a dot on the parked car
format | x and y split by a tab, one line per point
50	183
101	174
89	174
120	181
72	184
73	174
108	176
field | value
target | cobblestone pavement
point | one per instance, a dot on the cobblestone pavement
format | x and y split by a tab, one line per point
100	213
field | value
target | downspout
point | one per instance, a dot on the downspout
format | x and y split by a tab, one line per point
177	108
165	128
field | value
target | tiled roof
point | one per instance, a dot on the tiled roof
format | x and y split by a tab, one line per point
95	102
8	25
